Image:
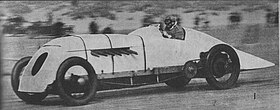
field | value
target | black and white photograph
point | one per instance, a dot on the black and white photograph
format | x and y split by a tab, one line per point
139	54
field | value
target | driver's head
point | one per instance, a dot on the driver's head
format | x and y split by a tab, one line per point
170	21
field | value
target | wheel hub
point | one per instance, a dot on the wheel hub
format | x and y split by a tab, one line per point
190	69
76	83
81	81
221	67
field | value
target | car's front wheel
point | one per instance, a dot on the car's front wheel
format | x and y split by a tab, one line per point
76	81
223	67
15	80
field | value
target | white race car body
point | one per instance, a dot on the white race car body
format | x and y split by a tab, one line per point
114	55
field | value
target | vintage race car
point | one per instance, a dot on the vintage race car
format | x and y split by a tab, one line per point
77	66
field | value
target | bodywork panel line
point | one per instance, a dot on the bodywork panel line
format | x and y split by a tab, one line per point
112	57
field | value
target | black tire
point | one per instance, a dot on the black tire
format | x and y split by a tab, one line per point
178	82
222	60
63	91
15	79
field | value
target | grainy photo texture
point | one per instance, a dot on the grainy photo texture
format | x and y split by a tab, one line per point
140	55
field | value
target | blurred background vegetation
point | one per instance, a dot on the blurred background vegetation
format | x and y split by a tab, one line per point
146	12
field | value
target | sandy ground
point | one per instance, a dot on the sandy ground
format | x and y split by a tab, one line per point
198	95
195	96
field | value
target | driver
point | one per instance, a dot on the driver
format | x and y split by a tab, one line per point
172	29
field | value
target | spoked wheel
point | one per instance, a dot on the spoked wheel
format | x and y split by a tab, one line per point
223	66
15	80
76	81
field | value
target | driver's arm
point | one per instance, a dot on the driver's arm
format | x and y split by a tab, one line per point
165	34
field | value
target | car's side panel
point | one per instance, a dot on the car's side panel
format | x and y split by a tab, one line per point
131	62
47	74
165	52
159	51
102	64
114	63
155	55
70	43
96	41
202	42
58	50
249	61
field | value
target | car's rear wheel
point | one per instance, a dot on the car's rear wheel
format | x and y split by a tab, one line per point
15	80
76	81
223	66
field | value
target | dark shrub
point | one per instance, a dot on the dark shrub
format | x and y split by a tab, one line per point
57	29
93	28
108	30
147	20
235	17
